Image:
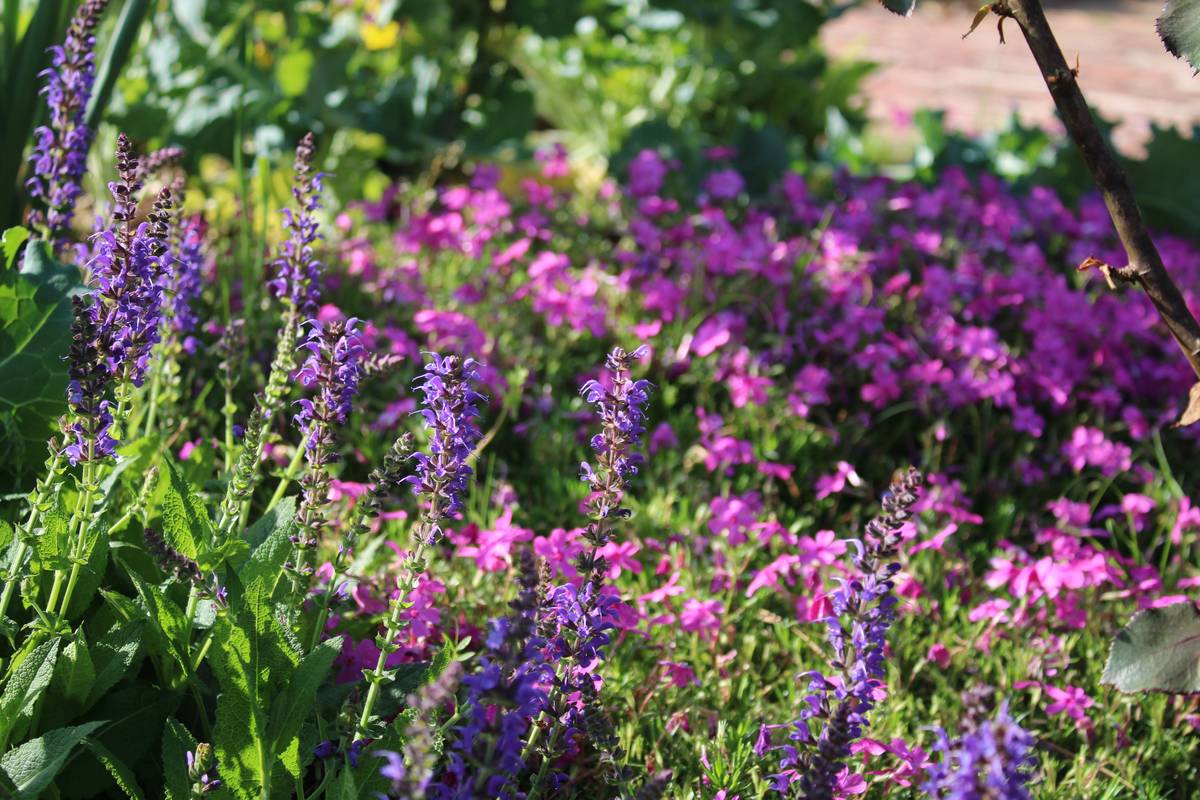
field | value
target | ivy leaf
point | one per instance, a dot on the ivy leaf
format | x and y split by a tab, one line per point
1179	29
10	244
32	766
902	7
35	333
1158	651
29	680
177	743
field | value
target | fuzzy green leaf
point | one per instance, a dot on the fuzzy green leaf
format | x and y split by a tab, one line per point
1158	651
117	768
177	743
32	766
1179	29
297	701
73	677
35	332
50	544
185	521
23	690
166	619
114	656
343	787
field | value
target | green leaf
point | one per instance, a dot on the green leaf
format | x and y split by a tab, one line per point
902	7
92	573
119	47
120	773
1158	651
185	522
252	662
177	743
32	766
293	70
343	788
1179	29
50	544
166	619
297	701
114	656
11	243
24	688
265	566
73	677
35	333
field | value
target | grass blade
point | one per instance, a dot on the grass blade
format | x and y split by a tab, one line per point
119	47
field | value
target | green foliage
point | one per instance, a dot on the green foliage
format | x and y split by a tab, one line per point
26	684
176	744
35	332
120	772
31	767
1179	29
1159	650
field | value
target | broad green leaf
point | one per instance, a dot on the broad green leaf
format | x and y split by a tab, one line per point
166	618
1158	651
185	522
10	244
297	701
120	772
25	687
51	543
252	662
265	565
114	656
177	743
32	766
35	332
281	517
1179	29
902	7
73	677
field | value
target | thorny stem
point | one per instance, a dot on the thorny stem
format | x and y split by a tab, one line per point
1145	263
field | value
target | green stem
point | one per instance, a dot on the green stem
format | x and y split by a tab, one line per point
155	386
288	476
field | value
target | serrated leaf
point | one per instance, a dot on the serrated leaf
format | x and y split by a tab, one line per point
121	774
10	245
265	565
35	332
185	522
1179	29
904	8
24	688
51	542
114	656
297	701
166	619
74	673
32	766
177	743
344	787
1158	651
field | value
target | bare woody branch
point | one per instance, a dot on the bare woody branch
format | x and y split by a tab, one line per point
1145	264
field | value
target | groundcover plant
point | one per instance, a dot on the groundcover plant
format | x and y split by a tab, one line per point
497	489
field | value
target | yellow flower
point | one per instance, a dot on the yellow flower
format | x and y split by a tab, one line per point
379	37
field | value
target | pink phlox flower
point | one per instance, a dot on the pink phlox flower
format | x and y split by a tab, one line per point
836	482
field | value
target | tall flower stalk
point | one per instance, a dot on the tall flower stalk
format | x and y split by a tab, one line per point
59	158
836	709
583	616
450	406
334	366
296	282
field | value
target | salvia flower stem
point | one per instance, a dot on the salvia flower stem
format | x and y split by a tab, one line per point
450	407
621	411
59	158
384	480
41	500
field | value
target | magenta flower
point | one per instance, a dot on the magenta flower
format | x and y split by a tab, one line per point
1072	701
838	481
